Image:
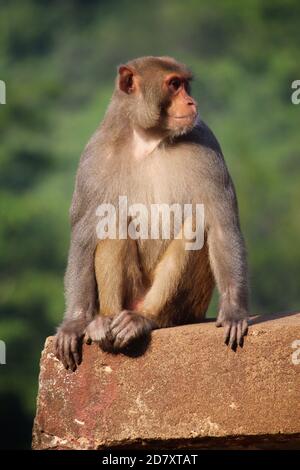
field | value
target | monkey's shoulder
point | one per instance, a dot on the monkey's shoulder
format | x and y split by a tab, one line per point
204	148
204	155
203	137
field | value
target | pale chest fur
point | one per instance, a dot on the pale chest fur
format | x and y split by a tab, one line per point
158	175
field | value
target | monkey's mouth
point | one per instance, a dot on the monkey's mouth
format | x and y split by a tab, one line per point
187	116
182	124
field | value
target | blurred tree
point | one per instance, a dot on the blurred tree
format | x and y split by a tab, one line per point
58	60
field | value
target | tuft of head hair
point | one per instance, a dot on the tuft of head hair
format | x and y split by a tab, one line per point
163	64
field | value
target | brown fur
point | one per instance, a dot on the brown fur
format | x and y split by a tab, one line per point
144	284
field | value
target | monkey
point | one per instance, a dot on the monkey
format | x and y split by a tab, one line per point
151	147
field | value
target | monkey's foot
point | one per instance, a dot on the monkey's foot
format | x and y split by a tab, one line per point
68	348
128	326
235	330
99	331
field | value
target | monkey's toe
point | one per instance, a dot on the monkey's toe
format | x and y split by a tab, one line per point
127	327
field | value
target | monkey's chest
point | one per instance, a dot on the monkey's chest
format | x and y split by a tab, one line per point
160	182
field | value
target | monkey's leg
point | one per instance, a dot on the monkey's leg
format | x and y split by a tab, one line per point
109	268
167	275
166	280
120	286
194	293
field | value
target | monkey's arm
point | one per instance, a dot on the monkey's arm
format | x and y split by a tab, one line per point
81	299
227	256
80	283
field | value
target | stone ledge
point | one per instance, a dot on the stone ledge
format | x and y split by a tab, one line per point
187	391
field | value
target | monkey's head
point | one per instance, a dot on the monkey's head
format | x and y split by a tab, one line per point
155	92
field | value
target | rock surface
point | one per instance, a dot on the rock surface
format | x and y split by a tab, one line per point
187	391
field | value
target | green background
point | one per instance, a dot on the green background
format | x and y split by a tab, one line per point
59	59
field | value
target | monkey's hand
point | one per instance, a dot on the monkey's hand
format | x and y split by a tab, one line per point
235	322
68	343
99	331
129	326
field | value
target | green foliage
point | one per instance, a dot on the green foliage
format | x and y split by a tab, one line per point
58	60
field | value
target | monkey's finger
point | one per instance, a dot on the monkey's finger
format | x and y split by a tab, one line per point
219	323
233	333
244	327
68	353
62	352
107	339
124	315
239	335
227	332
66	359
57	346
116	329
108	334
60	347
107	327
124	337
75	349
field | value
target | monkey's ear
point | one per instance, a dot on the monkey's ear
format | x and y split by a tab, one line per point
127	79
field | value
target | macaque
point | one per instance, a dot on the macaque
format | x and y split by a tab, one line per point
153	148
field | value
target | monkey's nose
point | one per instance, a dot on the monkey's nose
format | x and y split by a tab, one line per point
191	102
193	105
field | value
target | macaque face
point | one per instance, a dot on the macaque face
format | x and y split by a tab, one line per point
159	99
181	113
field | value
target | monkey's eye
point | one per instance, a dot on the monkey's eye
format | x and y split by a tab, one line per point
174	84
187	87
